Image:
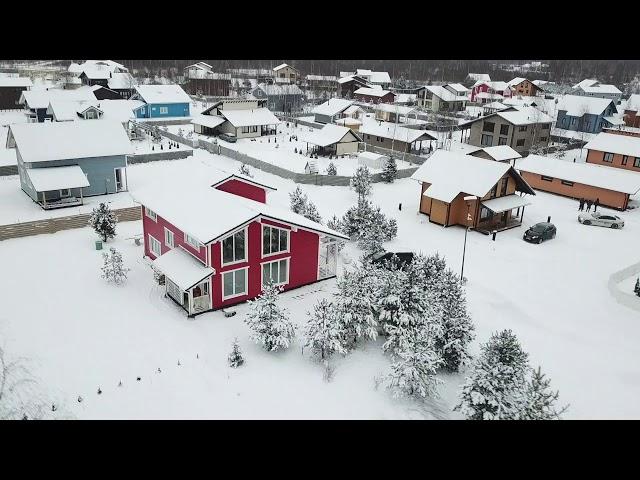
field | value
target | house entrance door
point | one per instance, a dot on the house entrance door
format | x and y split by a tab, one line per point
328	258
120	180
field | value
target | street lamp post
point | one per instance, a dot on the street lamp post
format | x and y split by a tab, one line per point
468	200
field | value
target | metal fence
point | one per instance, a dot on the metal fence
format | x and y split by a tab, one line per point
158	156
8	170
407	157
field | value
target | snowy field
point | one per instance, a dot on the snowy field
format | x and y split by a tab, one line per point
81	334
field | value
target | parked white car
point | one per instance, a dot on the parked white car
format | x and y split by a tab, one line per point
601	220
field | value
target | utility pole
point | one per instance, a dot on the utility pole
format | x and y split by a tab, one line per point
467	199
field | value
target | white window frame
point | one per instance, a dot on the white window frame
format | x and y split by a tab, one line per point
246	246
151	239
164	110
151	214
68	190
271	254
246	283
286	282
192	242
172	236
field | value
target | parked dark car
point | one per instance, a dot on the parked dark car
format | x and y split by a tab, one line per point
228	137
399	259
540	232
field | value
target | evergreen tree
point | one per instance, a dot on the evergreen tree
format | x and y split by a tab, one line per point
269	322
311	212
494	389
540	401
298	201
637	287
244	170
324	331
363	221
361	182
335	223
103	221
390	170
331	169
113	269
235	357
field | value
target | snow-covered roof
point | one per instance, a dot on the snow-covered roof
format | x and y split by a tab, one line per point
373	92
255	116
271	90
441	92
15	82
56	178
524	116
189	208
182	268
586	83
616	179
209	121
329	78
40	98
516	81
508	202
612	143
120	110
7	156
395	131
523	101
379	77
490	96
500	153
63	110
633	103
451	173
392	108
603	88
537	83
280	67
348	121
353	109
495	105
458	88
43	142
614	120
163	94
371	155
405	98
225	177
121	81
577	105
328	135
332	107
479	77
350	78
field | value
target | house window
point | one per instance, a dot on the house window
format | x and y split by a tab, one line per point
245	129
486	140
234	283
234	248
573	121
154	246
636	162
522	128
274	240
546	179
502	140
164	110
504	130
276	272
488	126
520	143
494	191
484	213
545	126
567	183
608	157
378	139
168	238
151	214
624	159
192	241
65	193
543	139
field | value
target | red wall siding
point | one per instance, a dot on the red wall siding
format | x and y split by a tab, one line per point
303	263
244	189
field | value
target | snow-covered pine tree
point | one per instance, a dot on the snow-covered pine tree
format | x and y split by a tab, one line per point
311	212
103	221
390	171
235	358
371	241
413	372
637	287
361	182
268	321
493	391
324	331
331	169
334	223
298	201
113	270
244	170
540	400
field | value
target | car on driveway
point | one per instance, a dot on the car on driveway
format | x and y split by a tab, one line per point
540	232
601	220
399	259
228	137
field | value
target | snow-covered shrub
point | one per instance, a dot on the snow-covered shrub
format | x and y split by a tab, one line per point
331	169
390	171
113	269
244	170
361	182
540	400
324	331
103	221
368	226
300	203
235	358
268	321
336	224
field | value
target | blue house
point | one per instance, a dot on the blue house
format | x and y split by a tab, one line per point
586	114
161	101
60	163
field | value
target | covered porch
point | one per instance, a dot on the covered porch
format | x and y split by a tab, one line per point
501	213
187	280
58	187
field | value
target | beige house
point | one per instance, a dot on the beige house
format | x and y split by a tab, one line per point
239	118
446	98
394	137
393	113
332	140
286	74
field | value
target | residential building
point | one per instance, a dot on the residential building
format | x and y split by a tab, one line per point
11	89
217	249
593	88
331	110
161	101
239	118
382	79
286	74
474	78
487	92
332	140
446	98
393	113
458	189
499	153
525	87
60	163
349	84
611	187
200	79
36	102
612	150
394	137
520	128
374	95
280	98
631	117
585	114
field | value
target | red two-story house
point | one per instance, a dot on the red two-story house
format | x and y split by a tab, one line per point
218	244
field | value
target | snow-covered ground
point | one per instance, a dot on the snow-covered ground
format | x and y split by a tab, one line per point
82	334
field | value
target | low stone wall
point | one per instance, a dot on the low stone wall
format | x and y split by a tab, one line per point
628	299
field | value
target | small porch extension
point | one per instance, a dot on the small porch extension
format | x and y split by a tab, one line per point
57	187
498	214
187	280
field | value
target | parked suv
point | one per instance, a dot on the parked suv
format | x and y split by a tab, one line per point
227	137
540	232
